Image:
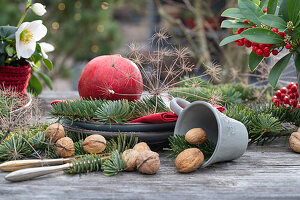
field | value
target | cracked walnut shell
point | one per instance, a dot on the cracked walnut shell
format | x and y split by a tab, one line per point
142	146
189	160
195	136
295	142
148	162
94	144
54	132
130	157
65	147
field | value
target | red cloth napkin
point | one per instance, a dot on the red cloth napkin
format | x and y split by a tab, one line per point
164	117
157	118
219	108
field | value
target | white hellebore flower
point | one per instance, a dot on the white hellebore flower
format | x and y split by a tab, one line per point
46	47
38	9
26	37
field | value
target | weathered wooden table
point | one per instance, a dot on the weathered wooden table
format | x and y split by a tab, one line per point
268	172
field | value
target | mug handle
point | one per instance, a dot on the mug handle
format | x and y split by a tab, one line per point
177	105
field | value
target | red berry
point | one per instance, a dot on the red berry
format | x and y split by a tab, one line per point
274	52
294	88
276	102
298	106
292	96
239	30
289	86
278	93
254	48
248	44
274	98
283	90
269	45
297	83
294	102
282	96
266	54
239	43
267	50
297	94
265	10
246	21
253	26
259	52
274	30
282	34
254	44
290	31
288	46
262	46
286	100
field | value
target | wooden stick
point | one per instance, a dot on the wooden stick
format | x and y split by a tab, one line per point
22	164
26	174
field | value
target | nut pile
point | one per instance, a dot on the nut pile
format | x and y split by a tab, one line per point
142	159
191	159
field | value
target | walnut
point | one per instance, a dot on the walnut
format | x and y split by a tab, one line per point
54	132
295	142
189	160
148	162
195	136
142	146
130	157
94	144
65	147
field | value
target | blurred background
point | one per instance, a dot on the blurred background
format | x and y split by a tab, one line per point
83	29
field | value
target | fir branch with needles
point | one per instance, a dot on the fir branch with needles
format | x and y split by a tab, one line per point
86	164
107	111
114	164
264	122
114	112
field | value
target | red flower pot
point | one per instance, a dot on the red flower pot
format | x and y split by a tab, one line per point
16	78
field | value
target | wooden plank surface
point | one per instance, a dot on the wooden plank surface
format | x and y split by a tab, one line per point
269	172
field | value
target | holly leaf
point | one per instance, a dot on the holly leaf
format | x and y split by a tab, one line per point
254	61
262	35
262	3
272	5
230	39
250	10
273	21
293	10
48	64
278	68
46	79
234	24
283	11
35	85
8	32
232	13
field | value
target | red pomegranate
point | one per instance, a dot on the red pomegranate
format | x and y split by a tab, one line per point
110	77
